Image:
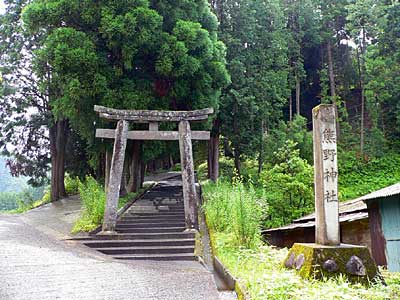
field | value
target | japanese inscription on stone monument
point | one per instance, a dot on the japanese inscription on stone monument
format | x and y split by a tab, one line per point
326	175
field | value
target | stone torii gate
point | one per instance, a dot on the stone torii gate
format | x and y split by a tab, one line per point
121	135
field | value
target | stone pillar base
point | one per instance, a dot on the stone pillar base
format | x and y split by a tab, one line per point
107	232
313	261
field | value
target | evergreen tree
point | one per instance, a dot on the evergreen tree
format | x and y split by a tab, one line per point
24	107
132	54
254	34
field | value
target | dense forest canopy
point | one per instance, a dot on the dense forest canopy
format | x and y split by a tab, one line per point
263	65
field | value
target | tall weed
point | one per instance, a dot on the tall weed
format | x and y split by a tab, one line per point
71	184
234	208
93	200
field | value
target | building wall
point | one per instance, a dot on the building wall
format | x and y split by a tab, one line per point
356	232
390	213
286	238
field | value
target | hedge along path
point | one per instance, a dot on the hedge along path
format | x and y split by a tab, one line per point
121	134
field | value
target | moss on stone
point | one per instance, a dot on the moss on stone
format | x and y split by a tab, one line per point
199	247
315	256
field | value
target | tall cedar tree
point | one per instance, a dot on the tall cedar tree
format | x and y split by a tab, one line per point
131	54
254	34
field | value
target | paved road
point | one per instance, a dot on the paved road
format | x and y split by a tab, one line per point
35	264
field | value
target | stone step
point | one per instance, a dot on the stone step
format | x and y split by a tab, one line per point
150	225
158	257
151	230
139	243
147	250
147	221
165	208
156	209
155	217
152	214
147	236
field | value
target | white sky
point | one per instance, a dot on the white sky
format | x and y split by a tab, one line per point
1	6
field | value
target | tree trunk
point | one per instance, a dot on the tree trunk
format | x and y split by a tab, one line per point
58	139
297	95
213	152
123	191
260	155
135	168
236	150
331	73
361	70
290	107
209	158
142	173
332	84
213	159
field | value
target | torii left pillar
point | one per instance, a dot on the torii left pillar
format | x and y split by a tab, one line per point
117	165
188	180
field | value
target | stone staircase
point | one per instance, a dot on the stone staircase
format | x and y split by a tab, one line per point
153	228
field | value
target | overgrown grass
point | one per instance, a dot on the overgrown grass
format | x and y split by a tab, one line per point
234	216
260	271
93	198
234	208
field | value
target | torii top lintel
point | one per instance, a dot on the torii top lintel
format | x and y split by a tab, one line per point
146	116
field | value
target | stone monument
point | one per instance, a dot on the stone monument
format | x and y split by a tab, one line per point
327	257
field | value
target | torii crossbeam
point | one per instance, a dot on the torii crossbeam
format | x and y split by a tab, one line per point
121	135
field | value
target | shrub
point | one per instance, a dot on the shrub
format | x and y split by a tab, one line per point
226	169
176	168
93	199
71	185
289	187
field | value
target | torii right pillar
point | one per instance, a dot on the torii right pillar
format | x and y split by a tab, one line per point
327	257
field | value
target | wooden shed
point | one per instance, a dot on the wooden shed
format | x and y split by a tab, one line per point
354	227
384	218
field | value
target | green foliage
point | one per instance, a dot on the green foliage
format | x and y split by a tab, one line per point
257	61
359	177
9	183
31	198
9	200
260	271
72	185
19	202
130	196
288	187
93	198
235	209
128	54
176	168
226	169
296	131
46	196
